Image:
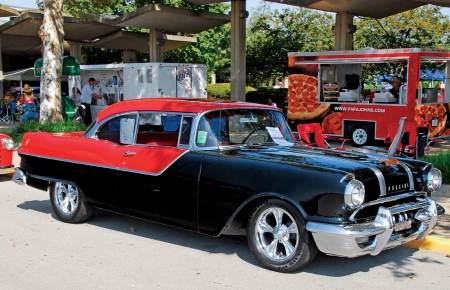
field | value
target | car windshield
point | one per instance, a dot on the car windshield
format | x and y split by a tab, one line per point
243	127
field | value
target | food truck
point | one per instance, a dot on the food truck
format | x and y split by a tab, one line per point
119	82
337	89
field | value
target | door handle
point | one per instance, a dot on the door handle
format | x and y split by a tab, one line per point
129	153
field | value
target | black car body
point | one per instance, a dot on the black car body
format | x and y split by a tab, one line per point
232	168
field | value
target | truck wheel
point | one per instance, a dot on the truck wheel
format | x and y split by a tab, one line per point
68	203
277	237
360	136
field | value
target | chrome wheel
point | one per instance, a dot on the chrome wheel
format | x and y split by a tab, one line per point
66	198
277	234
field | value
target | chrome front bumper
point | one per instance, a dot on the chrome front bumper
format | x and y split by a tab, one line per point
19	177
383	233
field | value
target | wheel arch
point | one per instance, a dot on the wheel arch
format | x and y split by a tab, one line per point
237	223
350	124
49	180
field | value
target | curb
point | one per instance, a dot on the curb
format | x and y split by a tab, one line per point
431	243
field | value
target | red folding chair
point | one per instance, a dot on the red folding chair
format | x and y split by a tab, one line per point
311	134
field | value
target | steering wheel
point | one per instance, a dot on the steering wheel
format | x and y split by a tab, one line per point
259	128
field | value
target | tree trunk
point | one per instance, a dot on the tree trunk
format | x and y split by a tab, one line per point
52	35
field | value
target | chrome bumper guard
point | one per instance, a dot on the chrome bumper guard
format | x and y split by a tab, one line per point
19	177
373	237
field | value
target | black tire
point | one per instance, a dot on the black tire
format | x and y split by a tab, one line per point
361	135
294	246
69	204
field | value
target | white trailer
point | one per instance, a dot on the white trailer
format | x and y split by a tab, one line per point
119	82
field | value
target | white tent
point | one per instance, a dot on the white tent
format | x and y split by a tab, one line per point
26	74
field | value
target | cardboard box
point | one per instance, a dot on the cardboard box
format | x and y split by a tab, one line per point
328	73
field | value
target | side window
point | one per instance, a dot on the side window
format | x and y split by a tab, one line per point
186	126
119	130
158	129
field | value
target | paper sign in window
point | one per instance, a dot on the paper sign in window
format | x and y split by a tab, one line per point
201	138
126	130
277	137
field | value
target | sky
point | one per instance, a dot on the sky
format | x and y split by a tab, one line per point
251	4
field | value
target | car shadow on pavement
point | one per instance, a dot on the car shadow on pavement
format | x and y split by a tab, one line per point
396	260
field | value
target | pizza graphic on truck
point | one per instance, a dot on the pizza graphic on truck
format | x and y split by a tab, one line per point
339	89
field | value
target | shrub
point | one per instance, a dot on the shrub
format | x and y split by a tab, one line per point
34	126
442	162
222	91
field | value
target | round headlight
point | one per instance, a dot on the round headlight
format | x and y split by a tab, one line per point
8	143
354	193
434	179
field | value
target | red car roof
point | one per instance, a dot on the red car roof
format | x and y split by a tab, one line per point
174	105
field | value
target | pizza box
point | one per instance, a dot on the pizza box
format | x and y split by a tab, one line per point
330	87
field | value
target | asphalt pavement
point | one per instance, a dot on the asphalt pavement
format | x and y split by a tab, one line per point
438	240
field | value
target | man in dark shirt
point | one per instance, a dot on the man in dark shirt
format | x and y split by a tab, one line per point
395	87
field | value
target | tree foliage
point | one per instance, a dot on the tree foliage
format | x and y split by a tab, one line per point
271	34
421	27
424	27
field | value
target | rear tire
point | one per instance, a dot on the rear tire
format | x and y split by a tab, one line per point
69	204
361	135
278	238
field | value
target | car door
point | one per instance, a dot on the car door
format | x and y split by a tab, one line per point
159	181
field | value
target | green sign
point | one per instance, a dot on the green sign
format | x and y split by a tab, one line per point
38	67
71	66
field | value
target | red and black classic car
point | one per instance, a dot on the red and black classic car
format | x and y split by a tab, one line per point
234	168
6	155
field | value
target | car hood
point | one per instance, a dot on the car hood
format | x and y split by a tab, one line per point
374	170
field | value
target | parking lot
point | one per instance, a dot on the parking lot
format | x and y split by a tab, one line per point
113	251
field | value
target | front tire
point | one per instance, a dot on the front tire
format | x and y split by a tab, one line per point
68	203
277	237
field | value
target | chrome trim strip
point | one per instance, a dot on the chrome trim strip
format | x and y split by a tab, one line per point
427	167
384	200
410	175
381	180
111	167
347	177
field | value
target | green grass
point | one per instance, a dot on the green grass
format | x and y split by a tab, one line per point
34	126
442	162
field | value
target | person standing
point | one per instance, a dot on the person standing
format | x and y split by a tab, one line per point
27	96
76	96
395	87
87	93
270	103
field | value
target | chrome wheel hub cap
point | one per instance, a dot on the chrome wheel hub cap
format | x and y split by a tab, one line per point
66	198
277	234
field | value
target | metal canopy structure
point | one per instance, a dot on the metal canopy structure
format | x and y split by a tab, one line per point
19	36
368	8
6	11
172	19
127	40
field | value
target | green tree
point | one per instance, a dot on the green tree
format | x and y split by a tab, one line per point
424	27
421	27
52	34
271	34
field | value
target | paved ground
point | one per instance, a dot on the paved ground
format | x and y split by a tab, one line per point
439	240
112	251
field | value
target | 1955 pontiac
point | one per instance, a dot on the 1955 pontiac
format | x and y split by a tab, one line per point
225	167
